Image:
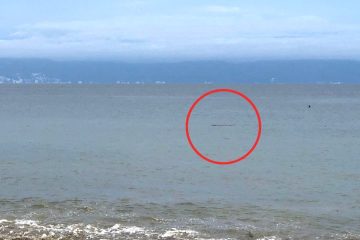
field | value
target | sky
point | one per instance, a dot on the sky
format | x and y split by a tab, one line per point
137	30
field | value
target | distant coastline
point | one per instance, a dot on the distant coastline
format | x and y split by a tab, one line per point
44	71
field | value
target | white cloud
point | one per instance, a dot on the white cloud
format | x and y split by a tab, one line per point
175	36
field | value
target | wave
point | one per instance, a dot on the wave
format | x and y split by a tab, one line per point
24	229
30	229
125	219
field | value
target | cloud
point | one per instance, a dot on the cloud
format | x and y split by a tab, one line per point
185	37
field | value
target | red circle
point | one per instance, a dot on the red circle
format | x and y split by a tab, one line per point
228	91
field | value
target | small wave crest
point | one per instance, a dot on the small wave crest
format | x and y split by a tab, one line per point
25	229
30	229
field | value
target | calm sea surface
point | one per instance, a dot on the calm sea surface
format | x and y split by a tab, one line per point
113	162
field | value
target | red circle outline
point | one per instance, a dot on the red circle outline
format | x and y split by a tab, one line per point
228	90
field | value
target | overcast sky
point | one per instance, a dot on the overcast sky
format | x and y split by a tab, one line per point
180	29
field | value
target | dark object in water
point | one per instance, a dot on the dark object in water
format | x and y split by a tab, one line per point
222	125
309	106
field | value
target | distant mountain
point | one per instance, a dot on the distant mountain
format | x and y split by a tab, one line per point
294	71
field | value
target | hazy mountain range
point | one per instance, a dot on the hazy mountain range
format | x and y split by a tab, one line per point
291	71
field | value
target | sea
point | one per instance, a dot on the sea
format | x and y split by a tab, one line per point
114	162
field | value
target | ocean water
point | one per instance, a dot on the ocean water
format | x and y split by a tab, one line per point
113	162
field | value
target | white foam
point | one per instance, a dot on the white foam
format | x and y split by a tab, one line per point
31	228
26	222
175	232
133	230
269	238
